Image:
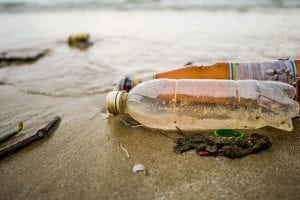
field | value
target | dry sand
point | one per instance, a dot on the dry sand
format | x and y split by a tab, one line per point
83	159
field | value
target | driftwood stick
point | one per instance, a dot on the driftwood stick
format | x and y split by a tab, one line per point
41	133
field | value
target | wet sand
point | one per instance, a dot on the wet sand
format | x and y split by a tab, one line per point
83	159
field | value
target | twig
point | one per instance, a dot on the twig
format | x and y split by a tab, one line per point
179	131
41	133
127	154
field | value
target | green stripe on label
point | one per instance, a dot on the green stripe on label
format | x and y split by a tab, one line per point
230	70
233	71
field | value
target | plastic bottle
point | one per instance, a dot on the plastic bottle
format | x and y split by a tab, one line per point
207	104
278	70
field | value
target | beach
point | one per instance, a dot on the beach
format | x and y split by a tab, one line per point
85	158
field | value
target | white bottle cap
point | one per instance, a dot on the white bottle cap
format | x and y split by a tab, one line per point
116	102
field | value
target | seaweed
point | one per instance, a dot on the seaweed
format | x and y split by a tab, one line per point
232	147
80	41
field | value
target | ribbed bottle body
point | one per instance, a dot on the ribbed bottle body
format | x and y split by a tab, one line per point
210	104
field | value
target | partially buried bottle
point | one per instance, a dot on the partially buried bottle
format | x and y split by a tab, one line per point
207	104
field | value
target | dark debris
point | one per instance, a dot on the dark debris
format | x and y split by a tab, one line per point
21	56
80	41
232	147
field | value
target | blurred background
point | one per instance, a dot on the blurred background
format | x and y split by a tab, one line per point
137	38
21	5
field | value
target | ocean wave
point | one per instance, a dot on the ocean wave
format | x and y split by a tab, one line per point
40	5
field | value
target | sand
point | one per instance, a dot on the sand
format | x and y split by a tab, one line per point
83	159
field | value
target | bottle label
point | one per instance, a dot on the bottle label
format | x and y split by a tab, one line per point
280	70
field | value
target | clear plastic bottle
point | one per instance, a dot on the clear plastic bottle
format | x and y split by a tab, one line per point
208	104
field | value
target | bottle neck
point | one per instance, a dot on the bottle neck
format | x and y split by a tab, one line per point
116	102
121	103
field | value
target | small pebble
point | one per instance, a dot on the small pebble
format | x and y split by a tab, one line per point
138	168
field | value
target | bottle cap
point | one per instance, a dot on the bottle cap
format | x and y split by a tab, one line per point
115	102
125	84
227	132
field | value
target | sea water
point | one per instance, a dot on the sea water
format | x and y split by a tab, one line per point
138	41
